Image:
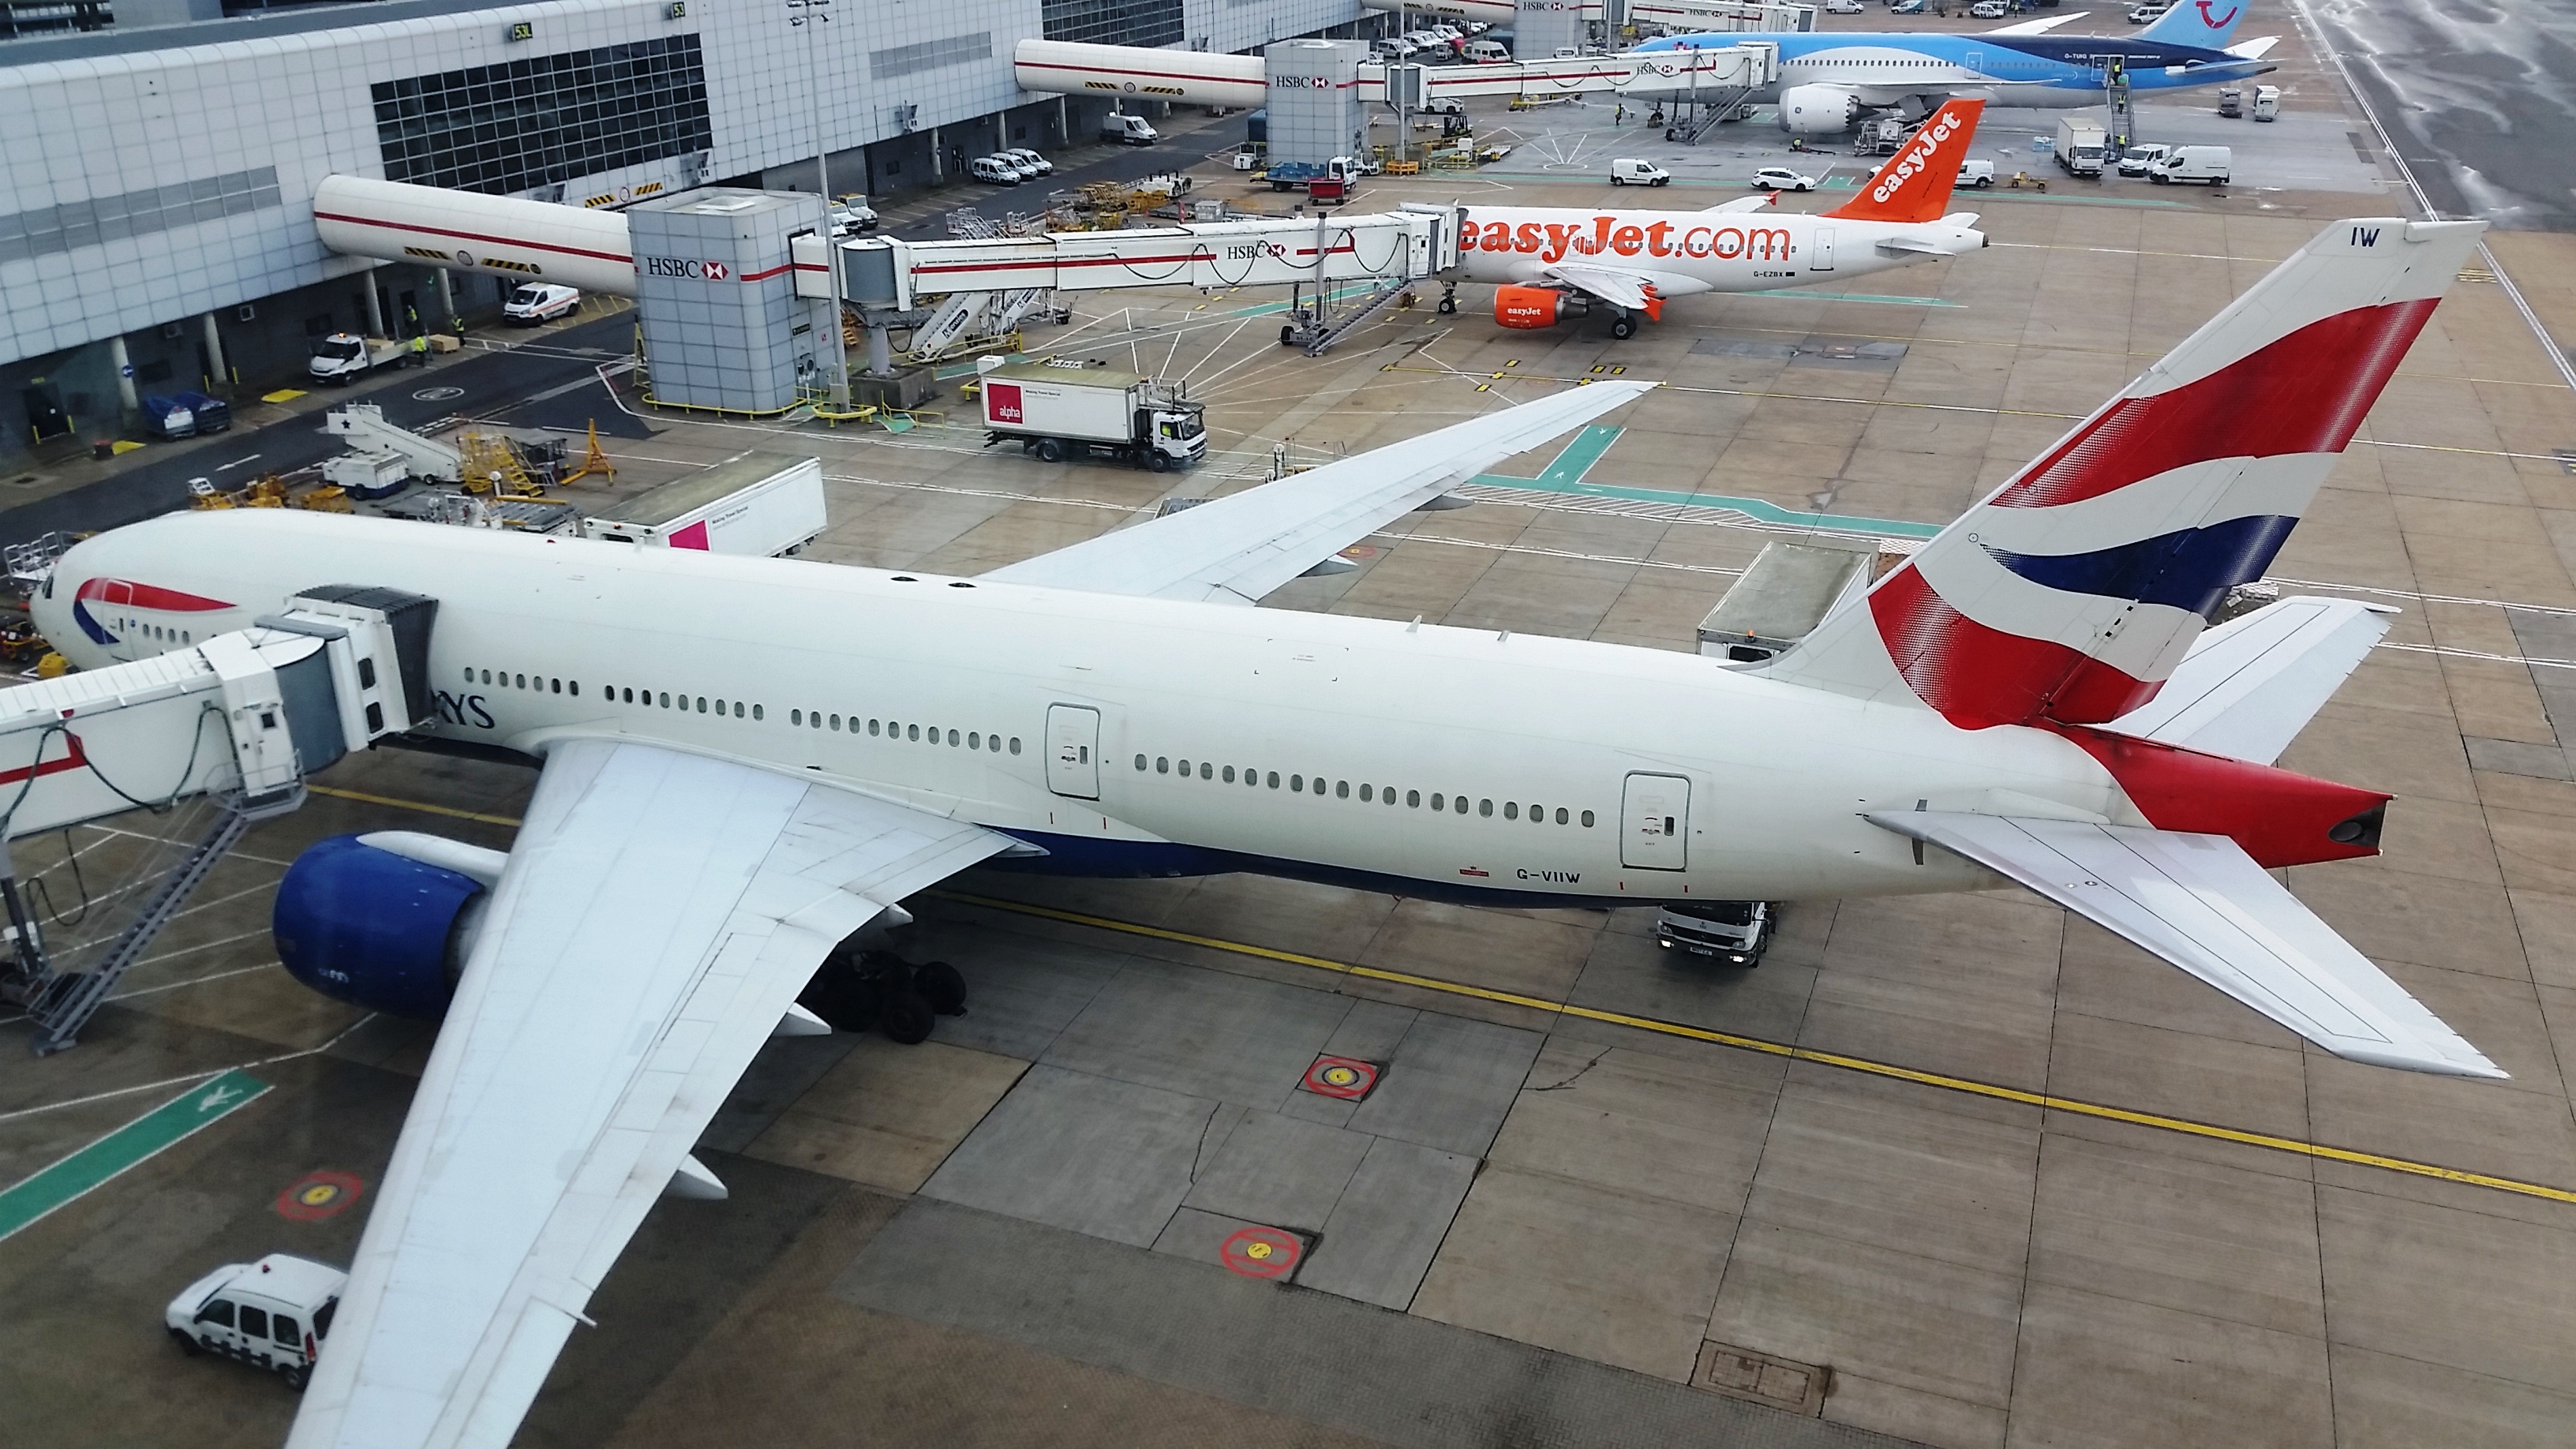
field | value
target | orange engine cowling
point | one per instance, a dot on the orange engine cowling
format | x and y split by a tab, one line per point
1528	308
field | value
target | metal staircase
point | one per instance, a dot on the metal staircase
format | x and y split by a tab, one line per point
61	1003
1707	115
1316	328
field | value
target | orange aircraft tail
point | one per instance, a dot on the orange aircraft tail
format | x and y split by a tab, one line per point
1915	183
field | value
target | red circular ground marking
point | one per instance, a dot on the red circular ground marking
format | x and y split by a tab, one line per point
1344	1077
1261	1253
317	1195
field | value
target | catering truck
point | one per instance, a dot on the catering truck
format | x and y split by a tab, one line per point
759	504
1070	408
2081	146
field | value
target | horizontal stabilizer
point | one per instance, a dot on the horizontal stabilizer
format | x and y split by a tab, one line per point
2201	903
2250	685
2255	49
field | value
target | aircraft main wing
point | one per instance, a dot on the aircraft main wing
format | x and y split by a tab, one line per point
2200	902
1237	548
2037	27
656	918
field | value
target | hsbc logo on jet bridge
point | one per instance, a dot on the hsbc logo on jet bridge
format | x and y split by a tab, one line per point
1303	82
1917	152
688	267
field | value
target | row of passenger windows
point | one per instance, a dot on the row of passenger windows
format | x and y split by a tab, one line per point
813	719
803	718
1368	794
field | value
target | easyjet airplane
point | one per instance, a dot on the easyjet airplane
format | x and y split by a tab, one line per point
1555	263
745	761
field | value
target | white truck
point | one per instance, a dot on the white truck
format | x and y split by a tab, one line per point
1735	932
341	356
1070	408
757	504
2081	146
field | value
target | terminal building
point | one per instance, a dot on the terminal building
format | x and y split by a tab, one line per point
157	228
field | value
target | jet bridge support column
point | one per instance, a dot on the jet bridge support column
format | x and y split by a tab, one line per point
240	718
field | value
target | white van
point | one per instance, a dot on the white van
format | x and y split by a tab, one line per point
2140	159
1121	129
2267	103
2210	165
273	1313
1487	52
535	302
1980	174
1629	171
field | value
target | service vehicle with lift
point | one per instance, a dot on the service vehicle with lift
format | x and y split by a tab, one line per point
1070	409
274	1314
2082	146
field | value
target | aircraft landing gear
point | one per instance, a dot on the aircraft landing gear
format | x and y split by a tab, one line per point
861	989
1624	325
1448	298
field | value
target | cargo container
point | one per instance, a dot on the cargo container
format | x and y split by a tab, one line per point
756	503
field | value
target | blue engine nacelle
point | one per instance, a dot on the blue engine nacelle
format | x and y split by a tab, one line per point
374	928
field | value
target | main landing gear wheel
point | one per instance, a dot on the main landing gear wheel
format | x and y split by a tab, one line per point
1623	327
906	1020
856	990
1448	301
942	985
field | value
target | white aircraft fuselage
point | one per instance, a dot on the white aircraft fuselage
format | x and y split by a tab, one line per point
1494	767
1698	251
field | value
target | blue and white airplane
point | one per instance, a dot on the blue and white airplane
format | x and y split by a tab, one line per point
1829	80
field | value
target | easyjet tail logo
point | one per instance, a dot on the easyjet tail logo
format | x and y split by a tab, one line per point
1917	155
1606	235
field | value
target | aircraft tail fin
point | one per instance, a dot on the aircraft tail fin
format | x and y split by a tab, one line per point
2073	591
1915	184
2205	23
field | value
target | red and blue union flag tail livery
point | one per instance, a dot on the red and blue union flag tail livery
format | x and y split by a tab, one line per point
2069	595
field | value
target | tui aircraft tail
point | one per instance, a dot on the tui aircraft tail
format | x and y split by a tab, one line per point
2072	592
1915	183
2208	24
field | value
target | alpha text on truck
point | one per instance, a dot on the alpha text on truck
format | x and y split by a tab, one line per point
1069	408
2081	146
756	504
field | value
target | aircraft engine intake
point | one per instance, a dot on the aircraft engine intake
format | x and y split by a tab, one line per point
1526	308
1814	110
376	929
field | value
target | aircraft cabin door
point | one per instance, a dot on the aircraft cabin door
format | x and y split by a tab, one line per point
1073	751
1654	823
1820	257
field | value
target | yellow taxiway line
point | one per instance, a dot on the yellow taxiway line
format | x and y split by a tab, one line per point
1660	1027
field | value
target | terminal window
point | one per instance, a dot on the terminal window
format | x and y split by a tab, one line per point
1114	22
545	120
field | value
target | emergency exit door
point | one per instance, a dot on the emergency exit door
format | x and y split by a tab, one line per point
1073	751
1654	823
1820	252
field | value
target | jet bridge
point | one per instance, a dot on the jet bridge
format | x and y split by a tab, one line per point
239	719
881	272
